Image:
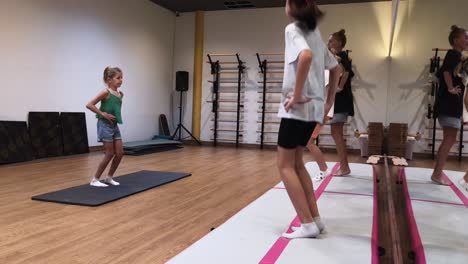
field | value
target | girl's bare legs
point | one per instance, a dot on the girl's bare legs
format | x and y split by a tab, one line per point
287	169
337	134
306	183
450	136
108	155
118	154
287	165
317	154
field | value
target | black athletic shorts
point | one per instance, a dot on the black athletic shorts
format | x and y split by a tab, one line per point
294	133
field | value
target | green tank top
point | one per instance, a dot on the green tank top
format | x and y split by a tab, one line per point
113	106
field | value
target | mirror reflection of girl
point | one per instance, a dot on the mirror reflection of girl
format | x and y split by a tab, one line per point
463	73
344	105
313	148
303	94
449	100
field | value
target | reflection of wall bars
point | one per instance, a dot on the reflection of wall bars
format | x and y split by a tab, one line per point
227	98
270	97
271	70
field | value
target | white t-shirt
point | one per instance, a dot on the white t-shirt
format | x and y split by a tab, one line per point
296	41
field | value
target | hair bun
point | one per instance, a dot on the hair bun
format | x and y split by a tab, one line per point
342	31
454	28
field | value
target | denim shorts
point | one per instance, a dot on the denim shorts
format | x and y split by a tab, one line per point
448	121
107	131
339	118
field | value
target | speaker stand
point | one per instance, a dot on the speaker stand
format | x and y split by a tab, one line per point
180	126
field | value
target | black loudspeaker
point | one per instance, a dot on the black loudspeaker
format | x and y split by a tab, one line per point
182	81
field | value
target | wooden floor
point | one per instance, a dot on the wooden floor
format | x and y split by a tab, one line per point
150	227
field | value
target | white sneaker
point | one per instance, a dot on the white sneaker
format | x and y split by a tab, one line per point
321	175
464	184
320	226
305	231
110	180
97	183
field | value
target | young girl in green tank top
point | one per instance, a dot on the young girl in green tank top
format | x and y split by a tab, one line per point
109	116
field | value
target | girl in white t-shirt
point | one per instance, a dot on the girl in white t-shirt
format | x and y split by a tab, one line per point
314	149
303	93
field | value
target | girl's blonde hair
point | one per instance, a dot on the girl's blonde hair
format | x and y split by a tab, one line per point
111	72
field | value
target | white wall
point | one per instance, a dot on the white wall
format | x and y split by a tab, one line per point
386	89
53	53
244	32
184	61
423	25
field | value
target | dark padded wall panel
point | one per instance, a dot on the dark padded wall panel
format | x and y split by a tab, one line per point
15	144
19	137
4	140
46	134
74	132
